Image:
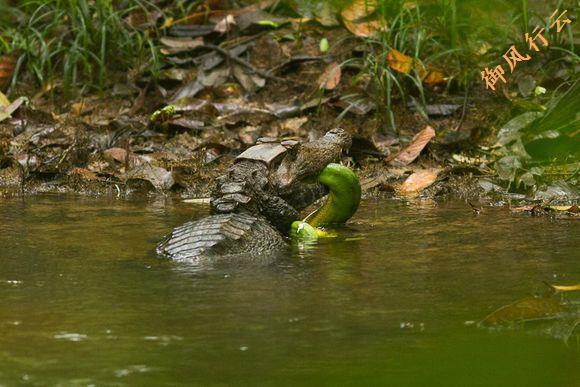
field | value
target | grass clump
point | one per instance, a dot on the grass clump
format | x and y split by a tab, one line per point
80	42
458	38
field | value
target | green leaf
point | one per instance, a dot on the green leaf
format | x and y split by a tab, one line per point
511	131
528	179
507	166
3	100
539	90
324	45
268	23
562	114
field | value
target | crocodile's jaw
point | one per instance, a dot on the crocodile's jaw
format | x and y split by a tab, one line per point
309	159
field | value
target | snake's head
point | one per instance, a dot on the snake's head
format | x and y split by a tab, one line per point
305	161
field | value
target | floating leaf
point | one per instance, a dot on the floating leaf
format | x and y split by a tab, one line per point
331	77
409	154
527	309
564	288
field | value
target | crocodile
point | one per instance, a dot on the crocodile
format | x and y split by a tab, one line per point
255	203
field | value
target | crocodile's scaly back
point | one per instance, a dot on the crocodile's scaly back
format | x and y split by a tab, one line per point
256	201
221	235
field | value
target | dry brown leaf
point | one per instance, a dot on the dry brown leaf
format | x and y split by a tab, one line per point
359	9
120	155
432	77
80	108
523	310
6	70
225	24
364	29
410	153
142	20
117	154
354	17
84	173
399	61
195	18
181	42
404	64
12	107
147	176
330	78
197	201
419	180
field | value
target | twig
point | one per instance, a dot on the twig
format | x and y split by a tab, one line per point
242	62
299	58
242	40
65	154
464	110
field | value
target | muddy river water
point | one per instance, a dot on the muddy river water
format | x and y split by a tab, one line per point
392	300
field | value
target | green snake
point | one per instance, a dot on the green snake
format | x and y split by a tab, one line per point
339	206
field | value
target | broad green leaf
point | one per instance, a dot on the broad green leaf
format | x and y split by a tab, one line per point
562	114
528	179
507	166
511	131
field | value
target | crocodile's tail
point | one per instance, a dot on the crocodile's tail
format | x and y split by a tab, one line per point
221	235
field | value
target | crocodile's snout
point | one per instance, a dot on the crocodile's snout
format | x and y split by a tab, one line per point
310	158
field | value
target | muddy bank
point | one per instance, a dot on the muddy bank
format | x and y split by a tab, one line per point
265	76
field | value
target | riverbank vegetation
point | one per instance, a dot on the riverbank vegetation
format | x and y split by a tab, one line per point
403	76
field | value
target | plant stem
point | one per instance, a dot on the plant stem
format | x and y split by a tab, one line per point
525	14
